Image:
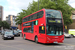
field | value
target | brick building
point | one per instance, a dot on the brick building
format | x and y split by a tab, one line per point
72	26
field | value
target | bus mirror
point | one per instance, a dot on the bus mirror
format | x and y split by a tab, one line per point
43	27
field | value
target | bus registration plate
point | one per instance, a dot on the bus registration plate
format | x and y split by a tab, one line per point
55	42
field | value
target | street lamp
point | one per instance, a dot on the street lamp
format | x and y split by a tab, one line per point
38	4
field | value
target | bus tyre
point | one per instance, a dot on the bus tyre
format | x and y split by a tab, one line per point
24	37
36	39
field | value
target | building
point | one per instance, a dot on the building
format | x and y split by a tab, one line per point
1	15
19	27
72	26
1	12
11	20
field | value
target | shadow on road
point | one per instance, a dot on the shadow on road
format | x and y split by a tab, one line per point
49	44
52	44
9	39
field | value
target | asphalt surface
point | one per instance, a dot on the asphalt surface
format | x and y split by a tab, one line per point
20	44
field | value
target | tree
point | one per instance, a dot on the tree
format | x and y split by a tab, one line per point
61	5
20	16
0	24
5	25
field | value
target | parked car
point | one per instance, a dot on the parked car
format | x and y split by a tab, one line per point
16	33
7	35
66	35
19	30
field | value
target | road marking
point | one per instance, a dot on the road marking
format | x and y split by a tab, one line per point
68	44
11	47
25	42
47	46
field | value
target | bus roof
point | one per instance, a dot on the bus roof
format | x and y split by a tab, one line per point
33	13
38	11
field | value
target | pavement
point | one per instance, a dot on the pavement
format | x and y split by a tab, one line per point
20	44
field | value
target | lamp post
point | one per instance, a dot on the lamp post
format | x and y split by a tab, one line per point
38	4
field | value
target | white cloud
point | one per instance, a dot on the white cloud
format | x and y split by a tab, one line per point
6	13
15	6
21	4
72	3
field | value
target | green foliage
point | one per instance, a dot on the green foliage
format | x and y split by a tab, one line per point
48	4
0	24
4	24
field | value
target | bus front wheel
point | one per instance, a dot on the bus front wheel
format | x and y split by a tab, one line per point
36	39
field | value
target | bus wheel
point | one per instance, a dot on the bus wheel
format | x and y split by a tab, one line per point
24	37
36	39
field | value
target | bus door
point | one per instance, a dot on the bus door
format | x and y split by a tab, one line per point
32	31
42	34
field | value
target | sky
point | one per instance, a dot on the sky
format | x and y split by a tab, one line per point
13	7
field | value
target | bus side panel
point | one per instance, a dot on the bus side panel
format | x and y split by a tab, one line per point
41	38
28	36
35	32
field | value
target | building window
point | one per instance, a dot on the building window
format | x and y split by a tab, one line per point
73	16
0	15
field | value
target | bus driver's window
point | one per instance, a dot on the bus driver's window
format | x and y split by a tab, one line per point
42	29
52	30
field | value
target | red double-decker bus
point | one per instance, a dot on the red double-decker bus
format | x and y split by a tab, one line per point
44	26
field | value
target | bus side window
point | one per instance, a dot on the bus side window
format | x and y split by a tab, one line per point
27	18
40	14
24	30
31	17
42	29
36	22
35	16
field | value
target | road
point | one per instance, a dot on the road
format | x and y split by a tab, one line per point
20	44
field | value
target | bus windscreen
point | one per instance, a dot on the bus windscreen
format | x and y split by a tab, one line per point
53	14
54	30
